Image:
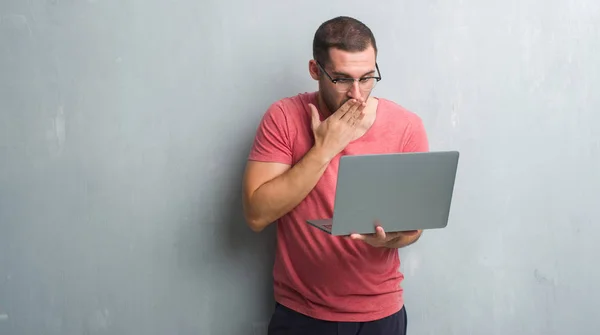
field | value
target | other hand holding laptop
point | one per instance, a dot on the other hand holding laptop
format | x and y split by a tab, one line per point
381	239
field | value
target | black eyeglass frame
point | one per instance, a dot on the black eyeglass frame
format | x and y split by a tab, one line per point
335	81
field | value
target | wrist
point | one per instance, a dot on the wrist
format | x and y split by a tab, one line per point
319	155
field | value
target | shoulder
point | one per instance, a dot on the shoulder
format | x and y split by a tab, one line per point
284	118
289	116
410	127
399	114
291	107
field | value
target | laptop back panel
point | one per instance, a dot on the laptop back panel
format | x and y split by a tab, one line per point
404	191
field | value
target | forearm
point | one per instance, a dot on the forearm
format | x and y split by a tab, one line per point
277	197
403	241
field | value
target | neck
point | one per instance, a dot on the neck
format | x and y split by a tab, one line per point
323	106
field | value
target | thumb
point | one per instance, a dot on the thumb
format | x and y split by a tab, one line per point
315	120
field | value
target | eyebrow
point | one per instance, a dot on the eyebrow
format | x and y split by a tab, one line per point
349	76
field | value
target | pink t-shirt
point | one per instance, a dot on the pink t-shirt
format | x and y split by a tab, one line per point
322	276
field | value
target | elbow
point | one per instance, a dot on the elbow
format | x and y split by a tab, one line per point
256	227
255	222
256	219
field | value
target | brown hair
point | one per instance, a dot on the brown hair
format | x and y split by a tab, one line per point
344	33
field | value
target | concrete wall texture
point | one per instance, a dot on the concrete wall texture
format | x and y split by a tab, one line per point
125	125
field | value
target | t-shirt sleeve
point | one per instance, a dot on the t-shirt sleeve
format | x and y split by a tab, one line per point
416	139
272	141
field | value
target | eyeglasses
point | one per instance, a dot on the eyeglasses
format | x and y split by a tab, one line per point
345	84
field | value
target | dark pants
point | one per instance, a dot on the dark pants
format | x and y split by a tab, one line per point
288	322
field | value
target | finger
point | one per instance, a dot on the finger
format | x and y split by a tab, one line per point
343	110
352	117
361	103
355	114
394	236
356	120
380	233
361	116
315	121
410	232
358	237
351	113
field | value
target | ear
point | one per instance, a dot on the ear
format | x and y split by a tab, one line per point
313	69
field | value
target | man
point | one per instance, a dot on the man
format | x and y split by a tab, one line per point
325	284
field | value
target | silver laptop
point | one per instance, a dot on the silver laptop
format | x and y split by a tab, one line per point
403	191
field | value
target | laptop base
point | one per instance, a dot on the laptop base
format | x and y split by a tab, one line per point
322	224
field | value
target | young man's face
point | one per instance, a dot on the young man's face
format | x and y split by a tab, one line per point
345	64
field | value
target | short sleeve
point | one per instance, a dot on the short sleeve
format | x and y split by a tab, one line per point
272	140
416	139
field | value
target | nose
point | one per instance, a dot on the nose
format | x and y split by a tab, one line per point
354	92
